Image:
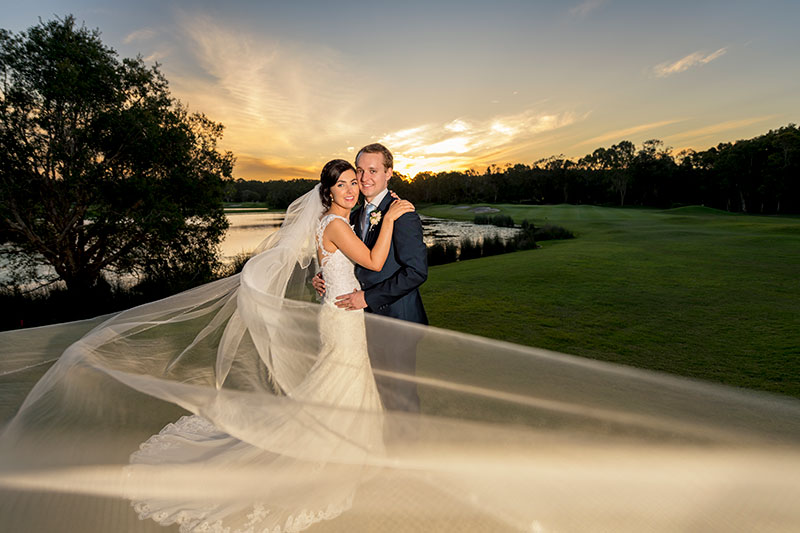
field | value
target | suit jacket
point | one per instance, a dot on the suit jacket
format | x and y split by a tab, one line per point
394	290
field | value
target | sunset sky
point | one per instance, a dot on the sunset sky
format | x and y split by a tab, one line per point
458	84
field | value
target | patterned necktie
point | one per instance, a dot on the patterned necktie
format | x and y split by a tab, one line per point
368	209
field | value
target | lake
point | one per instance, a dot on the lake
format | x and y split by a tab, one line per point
248	228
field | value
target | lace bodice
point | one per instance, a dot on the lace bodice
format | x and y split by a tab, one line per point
337	270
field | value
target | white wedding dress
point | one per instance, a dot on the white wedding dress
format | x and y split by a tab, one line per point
509	437
341	379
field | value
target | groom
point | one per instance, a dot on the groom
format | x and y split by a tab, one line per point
394	290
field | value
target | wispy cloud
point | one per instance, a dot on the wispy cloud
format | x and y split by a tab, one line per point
586	7
155	56
707	131
281	102
663	70
619	135
463	143
257	168
139	35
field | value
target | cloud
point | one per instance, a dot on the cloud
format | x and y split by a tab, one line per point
713	129
464	143
287	87
139	35
155	56
663	70
586	7
457	126
285	102
618	135
257	168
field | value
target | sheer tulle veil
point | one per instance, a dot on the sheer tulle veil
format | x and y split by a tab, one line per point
509	437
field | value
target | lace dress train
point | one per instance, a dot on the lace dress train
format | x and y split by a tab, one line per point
338	399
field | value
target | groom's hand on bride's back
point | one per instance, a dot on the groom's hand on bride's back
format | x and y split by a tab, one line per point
319	284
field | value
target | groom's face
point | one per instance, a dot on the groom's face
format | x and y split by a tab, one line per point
372	176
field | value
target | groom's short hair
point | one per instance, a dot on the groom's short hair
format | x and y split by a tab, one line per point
377	148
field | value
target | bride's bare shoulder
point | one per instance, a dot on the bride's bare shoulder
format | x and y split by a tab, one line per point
337	224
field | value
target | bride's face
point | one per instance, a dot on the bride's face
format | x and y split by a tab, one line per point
345	191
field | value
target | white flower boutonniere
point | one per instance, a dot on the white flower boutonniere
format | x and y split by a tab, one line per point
374	218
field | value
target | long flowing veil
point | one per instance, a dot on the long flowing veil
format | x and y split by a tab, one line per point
509	438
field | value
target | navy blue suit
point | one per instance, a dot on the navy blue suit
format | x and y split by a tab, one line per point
394	292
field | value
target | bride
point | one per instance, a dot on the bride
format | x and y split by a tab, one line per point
341	378
283	428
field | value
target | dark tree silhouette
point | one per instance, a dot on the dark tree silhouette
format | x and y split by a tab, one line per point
760	175
100	168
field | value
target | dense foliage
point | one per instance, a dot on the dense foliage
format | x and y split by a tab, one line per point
100	168
276	194
759	175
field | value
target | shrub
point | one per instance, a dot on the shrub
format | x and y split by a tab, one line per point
526	238
510	246
436	254
56	304
20	309
470	250
526	241
451	253
493	246
235	266
442	253
550	232
501	221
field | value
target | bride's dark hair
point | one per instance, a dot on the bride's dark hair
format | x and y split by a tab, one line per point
329	176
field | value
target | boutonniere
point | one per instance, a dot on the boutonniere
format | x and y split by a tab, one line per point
374	218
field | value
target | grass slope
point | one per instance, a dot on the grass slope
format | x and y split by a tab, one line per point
691	291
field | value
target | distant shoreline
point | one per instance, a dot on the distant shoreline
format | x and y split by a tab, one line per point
249	210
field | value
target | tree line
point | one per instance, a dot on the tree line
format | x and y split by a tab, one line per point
759	175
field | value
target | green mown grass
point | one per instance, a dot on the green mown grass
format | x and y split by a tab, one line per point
691	291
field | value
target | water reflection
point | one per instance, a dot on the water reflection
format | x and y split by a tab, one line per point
248	229
445	231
